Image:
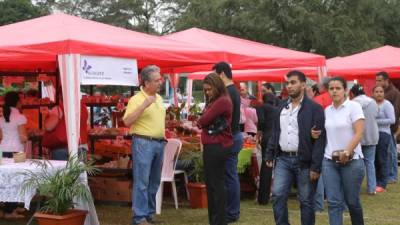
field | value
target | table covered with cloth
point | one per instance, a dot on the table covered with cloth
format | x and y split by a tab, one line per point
12	178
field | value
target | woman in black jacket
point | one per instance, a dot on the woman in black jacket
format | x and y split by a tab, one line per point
267	113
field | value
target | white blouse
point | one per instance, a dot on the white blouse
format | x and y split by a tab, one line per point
11	141
339	127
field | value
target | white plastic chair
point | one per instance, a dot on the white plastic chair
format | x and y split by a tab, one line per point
171	153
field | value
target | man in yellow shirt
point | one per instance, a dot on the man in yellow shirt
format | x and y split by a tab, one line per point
145	115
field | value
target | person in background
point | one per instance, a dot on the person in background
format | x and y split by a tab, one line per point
13	137
309	92
145	116
343	165
249	112
385	118
250	125
232	184
297	155
216	145
245	101
393	96
284	94
315	90
371	133
323	98
267	113
53	119
269	88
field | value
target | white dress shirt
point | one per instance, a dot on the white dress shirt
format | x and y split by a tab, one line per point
339	127
289	137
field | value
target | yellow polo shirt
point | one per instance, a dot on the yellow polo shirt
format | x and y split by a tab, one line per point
152	121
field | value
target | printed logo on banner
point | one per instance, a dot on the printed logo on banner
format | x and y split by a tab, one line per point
86	67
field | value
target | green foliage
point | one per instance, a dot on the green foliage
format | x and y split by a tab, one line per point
194	160
328	27
140	15
12	11
62	187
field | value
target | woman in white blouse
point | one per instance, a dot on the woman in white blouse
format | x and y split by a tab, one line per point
343	173
13	137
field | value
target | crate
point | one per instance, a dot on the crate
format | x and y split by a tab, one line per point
111	189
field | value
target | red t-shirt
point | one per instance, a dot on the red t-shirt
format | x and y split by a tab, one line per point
323	100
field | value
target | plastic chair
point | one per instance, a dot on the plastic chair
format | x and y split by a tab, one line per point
171	153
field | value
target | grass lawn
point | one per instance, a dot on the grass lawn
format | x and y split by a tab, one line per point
381	209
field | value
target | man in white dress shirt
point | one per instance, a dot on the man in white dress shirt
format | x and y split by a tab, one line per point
297	156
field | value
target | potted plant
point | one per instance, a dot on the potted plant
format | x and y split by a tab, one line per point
59	190
196	186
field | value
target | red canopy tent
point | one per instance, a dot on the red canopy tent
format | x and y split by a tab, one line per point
244	54
271	75
58	41
366	64
64	34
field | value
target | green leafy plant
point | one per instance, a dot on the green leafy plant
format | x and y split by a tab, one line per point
62	187
194	161
195	109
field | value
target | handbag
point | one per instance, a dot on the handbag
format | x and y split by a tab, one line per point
218	126
56	138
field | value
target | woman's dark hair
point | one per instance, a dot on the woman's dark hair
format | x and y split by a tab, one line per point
376	86
341	80
217	84
315	90
357	90
271	99
270	86
10	100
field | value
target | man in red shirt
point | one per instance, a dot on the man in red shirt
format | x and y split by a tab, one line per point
323	99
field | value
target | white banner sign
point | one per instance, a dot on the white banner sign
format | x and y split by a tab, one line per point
108	71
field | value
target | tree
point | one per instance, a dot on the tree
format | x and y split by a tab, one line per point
328	27
13	11
137	15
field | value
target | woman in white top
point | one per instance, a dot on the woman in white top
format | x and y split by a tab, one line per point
12	126
343	176
13	137
385	118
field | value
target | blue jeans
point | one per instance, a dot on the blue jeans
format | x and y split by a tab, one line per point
62	153
232	184
382	162
287	170
393	160
343	185
59	154
319	195
147	162
369	161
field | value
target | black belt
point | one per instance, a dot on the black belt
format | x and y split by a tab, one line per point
150	138
291	154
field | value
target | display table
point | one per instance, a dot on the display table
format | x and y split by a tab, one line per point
11	180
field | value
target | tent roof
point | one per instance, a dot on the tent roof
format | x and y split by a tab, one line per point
270	75
366	64
245	54
62	34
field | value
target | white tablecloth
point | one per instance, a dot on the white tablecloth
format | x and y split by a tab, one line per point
11	179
